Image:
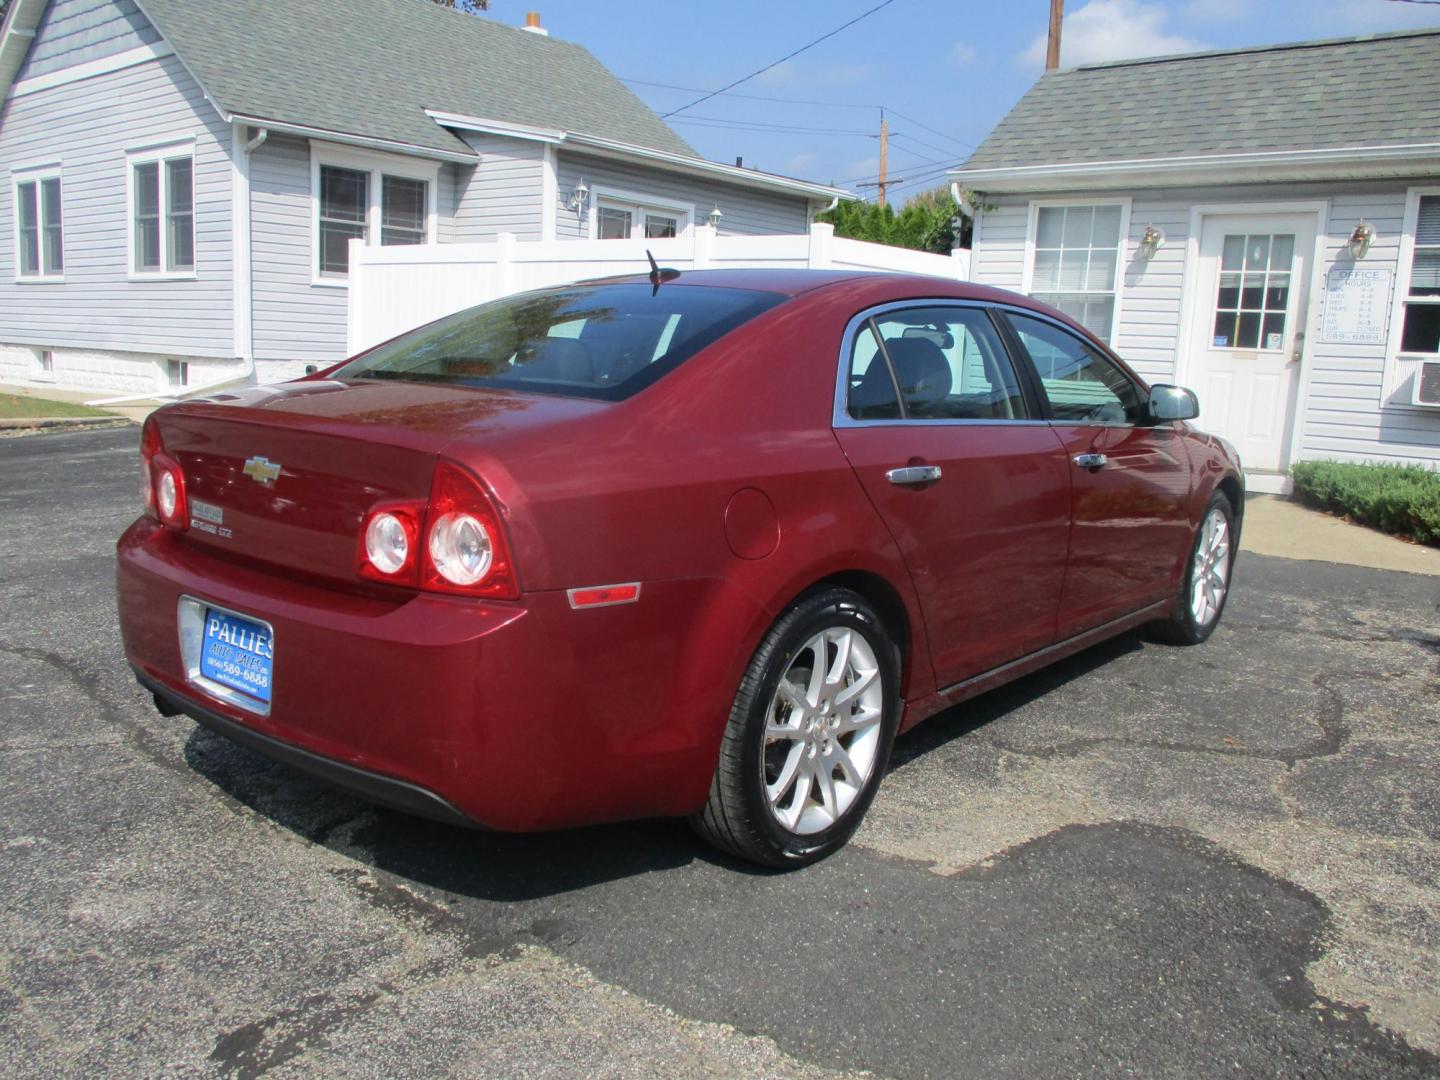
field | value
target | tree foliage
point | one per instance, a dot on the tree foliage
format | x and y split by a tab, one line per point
474	7
928	221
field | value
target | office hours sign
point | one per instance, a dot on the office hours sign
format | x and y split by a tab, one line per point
1357	306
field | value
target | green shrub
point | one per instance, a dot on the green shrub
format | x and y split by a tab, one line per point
1403	500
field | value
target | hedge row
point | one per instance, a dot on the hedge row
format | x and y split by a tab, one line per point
1403	500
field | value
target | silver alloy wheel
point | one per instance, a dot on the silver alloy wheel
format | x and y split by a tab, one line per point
822	732
1210	572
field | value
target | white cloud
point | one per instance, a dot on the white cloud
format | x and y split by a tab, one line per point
799	164
1372	16
962	54
1112	30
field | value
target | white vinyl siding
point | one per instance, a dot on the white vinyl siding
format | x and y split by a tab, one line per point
79	31
1355	407
503	193
293	321
85	126
746	211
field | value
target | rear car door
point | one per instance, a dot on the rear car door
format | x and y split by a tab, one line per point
1130	477
974	487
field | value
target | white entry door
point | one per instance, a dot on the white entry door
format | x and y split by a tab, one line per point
1252	288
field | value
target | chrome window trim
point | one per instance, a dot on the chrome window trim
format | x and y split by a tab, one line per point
840	416
190	622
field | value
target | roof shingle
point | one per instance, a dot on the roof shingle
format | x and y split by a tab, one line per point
372	68
1364	91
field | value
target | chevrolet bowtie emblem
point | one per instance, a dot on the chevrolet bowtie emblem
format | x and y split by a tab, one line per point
261	469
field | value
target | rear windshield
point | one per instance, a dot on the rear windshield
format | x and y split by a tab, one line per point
596	341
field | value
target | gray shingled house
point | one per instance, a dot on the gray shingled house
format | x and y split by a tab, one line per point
183	176
1260	224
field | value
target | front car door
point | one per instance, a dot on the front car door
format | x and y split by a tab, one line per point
1130	478
971	482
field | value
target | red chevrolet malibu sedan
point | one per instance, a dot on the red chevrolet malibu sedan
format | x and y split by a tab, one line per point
696	545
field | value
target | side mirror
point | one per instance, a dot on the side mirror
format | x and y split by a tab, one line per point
1173	403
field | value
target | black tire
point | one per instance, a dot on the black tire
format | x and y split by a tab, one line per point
738	817
1183	627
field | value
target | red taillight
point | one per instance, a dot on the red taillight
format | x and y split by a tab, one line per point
390	543
453	544
162	485
465	550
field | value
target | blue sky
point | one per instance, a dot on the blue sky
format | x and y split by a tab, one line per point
947	70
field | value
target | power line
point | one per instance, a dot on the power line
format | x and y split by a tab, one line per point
936	131
755	97
777	63
922	142
1433	3
759	125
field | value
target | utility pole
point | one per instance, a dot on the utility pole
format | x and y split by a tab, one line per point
1052	52
884	143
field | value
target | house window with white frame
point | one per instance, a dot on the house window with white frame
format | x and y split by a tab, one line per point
620	220
1420	327
1076	259
356	200
39	226
162	212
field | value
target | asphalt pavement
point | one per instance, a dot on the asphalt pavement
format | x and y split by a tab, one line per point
1148	860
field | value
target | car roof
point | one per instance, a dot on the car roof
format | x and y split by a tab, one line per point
794	282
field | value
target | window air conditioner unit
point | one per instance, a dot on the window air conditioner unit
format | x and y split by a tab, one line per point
1427	384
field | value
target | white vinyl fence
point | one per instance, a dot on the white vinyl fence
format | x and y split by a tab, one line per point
393	289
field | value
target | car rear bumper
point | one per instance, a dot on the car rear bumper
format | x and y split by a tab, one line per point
370	786
514	716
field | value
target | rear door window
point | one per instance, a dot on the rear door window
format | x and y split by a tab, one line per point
598	341
947	361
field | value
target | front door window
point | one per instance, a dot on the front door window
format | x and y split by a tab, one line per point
1254	293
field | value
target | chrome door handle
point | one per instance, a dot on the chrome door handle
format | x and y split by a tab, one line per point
914	474
1090	461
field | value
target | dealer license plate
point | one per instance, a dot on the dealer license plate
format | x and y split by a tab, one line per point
237	653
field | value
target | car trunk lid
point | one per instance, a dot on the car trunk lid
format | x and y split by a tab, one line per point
285	475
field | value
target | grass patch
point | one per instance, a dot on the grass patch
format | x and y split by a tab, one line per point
14	407
1403	500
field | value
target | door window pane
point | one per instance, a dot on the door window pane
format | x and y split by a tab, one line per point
344	203
1253	296
180	219
402	210
613	223
1082	384
29	215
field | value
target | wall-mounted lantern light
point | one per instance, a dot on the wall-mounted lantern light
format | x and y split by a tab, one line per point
714	218
1151	242
1360	240
579	198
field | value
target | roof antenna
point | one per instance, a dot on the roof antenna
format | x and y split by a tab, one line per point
658	274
